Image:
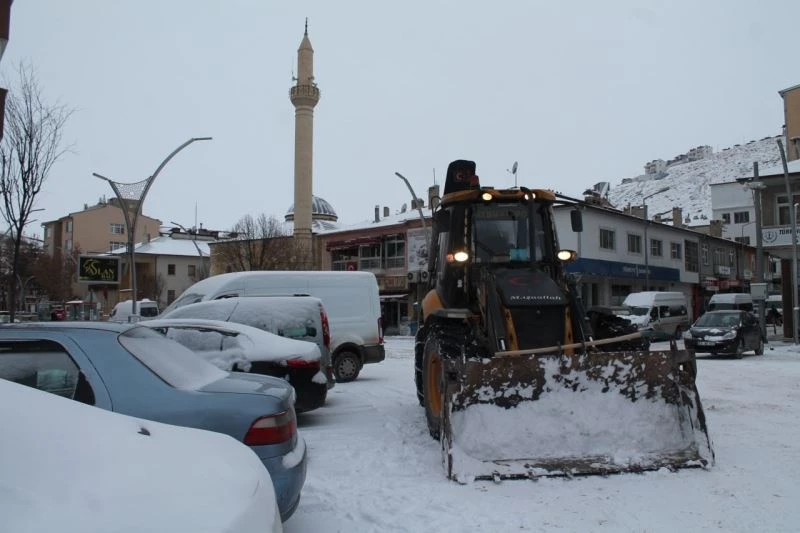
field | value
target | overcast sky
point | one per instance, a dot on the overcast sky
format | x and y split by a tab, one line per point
576	92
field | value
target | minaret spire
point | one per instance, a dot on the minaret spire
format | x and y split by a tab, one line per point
304	96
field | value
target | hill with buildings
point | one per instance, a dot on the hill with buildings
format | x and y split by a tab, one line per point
688	177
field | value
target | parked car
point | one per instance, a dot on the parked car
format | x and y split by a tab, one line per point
351	300
666	313
133	370
123	473
237	347
723	301
123	311
608	321
725	332
295	317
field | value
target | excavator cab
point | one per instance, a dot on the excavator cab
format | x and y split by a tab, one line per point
512	382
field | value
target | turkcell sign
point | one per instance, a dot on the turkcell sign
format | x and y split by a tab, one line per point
98	269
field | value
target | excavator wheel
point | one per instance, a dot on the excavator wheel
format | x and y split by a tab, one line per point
444	341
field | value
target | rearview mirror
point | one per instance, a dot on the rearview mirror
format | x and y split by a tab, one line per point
576	218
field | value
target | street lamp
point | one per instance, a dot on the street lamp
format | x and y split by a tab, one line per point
646	242
136	192
755	187
418	203
197	247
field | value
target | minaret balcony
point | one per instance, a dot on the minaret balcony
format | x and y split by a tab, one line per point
304	95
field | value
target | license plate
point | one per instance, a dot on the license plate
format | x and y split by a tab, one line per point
705	343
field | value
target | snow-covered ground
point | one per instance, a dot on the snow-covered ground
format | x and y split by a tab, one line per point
374	468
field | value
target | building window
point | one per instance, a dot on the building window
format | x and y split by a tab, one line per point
634	243
706	256
675	250
170	270
783	209
170	296
395	251
369	257
606	239
740	217
743	240
719	256
68	244
656	248
191	270
691	263
117	229
114	245
726	218
69	226
344	259
730	257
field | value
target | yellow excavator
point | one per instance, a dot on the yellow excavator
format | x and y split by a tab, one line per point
513	383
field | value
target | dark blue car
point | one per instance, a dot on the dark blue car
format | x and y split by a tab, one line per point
131	369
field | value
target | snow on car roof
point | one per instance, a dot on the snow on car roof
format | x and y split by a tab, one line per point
118	469
260	345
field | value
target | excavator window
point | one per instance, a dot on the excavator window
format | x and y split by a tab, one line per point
501	234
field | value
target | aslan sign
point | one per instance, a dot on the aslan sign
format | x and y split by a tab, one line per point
94	269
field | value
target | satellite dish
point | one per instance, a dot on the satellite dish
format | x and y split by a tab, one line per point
514	168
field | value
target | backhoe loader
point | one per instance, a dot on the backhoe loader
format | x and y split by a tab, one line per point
511	379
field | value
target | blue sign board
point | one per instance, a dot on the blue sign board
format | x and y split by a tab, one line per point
615	269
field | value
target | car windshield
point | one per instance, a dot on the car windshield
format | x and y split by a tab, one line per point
500	234
725	320
186	299
640	311
175	364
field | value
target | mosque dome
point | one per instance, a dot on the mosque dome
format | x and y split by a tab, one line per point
321	210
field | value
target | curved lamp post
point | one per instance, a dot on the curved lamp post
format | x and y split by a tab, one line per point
136	192
646	242
197	247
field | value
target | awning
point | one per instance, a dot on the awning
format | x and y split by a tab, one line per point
399	296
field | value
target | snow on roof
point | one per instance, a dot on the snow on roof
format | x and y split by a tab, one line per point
793	166
391	220
166	245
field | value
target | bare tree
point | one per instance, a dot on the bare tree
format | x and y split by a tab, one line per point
30	147
261	243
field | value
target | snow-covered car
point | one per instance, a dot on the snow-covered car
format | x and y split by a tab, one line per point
238	347
103	471
136	371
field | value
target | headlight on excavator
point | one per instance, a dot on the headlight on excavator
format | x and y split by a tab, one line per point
461	256
567	255
486	197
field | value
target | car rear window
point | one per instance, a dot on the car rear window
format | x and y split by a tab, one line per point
175	364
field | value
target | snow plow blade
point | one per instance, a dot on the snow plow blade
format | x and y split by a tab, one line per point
527	416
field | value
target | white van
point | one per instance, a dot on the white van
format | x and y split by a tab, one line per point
123	311
731	301
350	298
664	312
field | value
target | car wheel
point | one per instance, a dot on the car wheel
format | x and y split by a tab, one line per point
740	349
346	367
760	346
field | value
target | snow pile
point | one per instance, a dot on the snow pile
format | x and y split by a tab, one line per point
689	182
591	418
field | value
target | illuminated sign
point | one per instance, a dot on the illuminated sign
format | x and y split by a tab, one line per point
98	269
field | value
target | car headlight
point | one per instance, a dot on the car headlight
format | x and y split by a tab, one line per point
687	335
730	335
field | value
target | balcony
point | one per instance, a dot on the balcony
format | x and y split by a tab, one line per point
304	95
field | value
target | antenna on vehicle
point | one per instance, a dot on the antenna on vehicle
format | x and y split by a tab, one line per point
513	171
